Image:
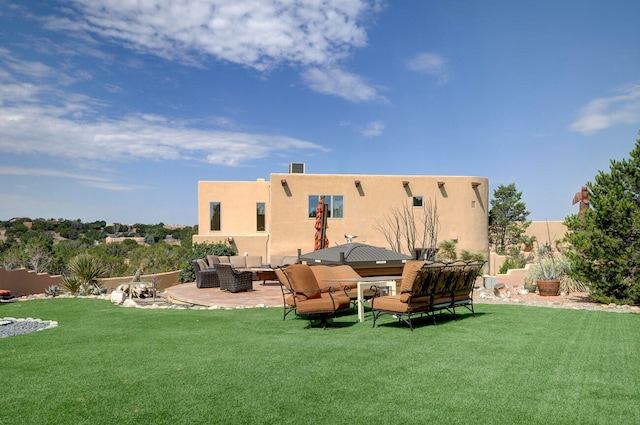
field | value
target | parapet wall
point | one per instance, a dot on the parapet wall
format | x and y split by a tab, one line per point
27	282
23	281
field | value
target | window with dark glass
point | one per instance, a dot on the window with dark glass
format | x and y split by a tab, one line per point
335	205
215	216
418	202
260	217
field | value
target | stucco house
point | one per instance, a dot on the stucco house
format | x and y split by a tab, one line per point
277	217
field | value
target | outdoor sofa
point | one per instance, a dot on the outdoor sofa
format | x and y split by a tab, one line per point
428	287
251	262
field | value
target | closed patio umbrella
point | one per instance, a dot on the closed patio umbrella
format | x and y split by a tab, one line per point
321	240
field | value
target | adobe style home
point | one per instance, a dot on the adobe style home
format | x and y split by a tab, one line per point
277	217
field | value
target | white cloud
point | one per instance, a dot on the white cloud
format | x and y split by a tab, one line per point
432	64
338	82
605	112
373	129
255	34
47	172
40	119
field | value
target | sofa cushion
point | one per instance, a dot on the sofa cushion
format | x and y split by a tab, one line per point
238	262
303	281
289	259
212	259
409	273
345	271
395	304
276	261
253	261
223	259
324	276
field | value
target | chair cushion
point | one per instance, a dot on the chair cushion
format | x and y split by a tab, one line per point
283	278
213	259
238	261
203	265
323	305
253	261
223	259
303	281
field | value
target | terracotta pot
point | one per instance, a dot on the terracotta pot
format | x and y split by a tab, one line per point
547	288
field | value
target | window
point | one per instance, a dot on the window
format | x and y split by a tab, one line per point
260	217
417	202
215	216
335	205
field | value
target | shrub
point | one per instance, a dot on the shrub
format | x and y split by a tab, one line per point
84	274
604	238
447	250
201	250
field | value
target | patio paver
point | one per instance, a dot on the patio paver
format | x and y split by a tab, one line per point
269	295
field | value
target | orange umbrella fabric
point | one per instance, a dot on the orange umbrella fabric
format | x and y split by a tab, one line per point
321	240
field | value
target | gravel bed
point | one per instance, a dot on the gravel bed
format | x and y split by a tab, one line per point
10	326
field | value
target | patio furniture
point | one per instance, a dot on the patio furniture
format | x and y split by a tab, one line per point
462	290
308	295
232	280
416	295
288	299
433	287
205	277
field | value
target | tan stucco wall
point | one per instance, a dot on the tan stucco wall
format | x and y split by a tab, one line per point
553	233
23	281
27	282
462	209
238	214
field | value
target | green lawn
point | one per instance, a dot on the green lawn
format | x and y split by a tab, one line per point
105	364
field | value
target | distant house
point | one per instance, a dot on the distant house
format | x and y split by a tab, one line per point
277	217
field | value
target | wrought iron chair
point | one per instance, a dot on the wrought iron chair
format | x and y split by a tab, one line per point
288	299
308	295
232	280
205	277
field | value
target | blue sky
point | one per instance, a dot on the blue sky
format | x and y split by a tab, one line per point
114	109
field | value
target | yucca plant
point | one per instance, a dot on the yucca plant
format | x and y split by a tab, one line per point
52	291
84	274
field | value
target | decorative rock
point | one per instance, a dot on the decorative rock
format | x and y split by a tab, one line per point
117	297
129	303
501	290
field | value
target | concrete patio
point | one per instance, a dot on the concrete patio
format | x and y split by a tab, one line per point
268	295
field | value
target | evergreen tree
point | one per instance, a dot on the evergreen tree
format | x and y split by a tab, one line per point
605	239
507	218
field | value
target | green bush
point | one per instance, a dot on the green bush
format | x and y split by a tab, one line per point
513	261
201	250
604	248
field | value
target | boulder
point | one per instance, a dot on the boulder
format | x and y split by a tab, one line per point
117	296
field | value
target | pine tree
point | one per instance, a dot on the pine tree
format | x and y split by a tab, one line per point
507	218
605	240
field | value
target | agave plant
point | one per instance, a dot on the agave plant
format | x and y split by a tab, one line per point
549	268
84	274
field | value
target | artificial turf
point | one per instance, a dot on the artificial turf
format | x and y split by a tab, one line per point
106	364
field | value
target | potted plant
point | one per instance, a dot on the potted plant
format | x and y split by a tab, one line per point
529	284
547	273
